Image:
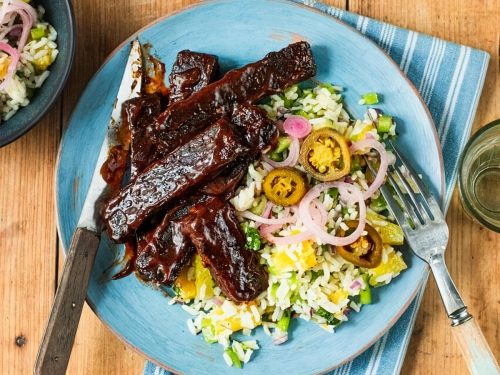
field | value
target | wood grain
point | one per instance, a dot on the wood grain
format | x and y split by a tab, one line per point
55	348
28	251
27	243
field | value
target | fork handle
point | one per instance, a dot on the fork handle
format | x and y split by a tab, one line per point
468	335
475	349
453	303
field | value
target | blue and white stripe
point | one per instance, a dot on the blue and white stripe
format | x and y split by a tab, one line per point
450	79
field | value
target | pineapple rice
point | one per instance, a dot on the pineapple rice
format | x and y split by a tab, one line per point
307	280
36	57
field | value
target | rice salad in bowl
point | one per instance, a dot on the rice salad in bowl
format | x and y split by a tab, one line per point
27	49
312	210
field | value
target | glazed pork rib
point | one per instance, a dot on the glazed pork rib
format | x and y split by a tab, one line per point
137	114
248	84
214	229
165	250
187	167
191	72
256	128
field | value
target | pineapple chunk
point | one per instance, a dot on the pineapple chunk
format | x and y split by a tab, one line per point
281	261
187	288
308	259
395	264
4	66
41	64
338	296
203	277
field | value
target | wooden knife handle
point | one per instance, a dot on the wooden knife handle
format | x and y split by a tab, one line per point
55	349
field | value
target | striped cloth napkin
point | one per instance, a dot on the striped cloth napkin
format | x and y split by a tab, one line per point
450	79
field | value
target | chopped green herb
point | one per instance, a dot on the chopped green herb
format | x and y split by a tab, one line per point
356	163
330	319
252	237
316	274
333	193
378	204
324	248
288	102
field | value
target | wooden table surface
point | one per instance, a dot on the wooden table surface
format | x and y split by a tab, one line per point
31	259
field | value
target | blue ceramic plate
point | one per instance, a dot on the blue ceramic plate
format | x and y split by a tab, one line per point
240	32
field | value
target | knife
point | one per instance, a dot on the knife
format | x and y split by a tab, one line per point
59	336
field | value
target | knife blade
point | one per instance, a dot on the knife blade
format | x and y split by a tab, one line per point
59	336
130	87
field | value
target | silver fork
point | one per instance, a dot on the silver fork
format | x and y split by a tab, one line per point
426	231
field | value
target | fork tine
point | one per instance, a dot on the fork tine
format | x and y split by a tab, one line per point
407	206
409	193
393	205
412	172
433	205
396	211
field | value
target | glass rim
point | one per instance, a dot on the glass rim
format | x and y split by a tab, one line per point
461	189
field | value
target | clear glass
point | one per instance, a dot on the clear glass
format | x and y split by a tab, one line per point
479	176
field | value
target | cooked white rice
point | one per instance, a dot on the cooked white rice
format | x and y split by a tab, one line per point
29	76
305	279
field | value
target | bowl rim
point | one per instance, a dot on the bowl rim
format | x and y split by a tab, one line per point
441	198
18	133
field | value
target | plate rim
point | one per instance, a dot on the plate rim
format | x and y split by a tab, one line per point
200	3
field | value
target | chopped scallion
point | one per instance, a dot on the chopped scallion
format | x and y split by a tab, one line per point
369	98
365	295
37	33
302	113
384	124
284	322
283	144
234	357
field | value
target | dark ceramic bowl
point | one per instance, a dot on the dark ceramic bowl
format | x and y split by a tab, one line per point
59	13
